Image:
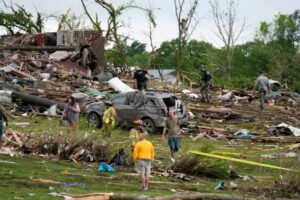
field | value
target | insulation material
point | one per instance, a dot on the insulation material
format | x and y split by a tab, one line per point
5	96
59	55
190	94
227	97
119	86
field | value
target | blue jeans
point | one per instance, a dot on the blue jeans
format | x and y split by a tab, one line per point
174	143
1	128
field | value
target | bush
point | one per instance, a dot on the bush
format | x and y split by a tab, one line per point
194	165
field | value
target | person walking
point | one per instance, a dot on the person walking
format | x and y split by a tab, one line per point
2	119
172	128
143	154
141	79
262	86
71	114
206	84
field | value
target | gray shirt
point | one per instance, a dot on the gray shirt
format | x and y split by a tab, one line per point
262	83
171	125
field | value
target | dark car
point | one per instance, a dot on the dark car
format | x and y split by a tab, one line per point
151	107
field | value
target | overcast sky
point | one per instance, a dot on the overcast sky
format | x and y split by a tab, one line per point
254	11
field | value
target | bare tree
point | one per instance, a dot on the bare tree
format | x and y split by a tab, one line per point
114	23
187	22
151	27
114	13
229	28
69	21
96	23
17	18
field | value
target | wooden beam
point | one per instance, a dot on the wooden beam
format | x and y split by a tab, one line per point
37	48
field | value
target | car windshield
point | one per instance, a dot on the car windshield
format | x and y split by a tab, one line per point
121	100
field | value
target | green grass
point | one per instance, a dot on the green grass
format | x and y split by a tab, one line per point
18	180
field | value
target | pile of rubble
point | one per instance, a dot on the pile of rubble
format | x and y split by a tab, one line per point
42	70
57	145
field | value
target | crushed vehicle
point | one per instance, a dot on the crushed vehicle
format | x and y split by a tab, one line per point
149	106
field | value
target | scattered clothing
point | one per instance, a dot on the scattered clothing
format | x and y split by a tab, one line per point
119	158
105	167
220	186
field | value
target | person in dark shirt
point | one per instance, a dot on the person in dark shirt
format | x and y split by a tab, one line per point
2	118
141	79
206	83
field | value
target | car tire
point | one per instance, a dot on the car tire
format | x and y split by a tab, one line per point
149	125
94	120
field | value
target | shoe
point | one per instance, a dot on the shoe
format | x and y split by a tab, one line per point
173	160
145	189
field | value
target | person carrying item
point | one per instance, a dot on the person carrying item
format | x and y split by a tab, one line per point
71	114
206	84
143	154
109	116
134	134
171	126
141	79
262	86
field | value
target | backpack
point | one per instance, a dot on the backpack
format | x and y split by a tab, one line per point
119	158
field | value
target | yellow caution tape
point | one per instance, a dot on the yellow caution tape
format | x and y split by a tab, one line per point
241	160
226	153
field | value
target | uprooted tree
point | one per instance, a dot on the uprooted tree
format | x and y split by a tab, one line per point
228	28
15	18
187	23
